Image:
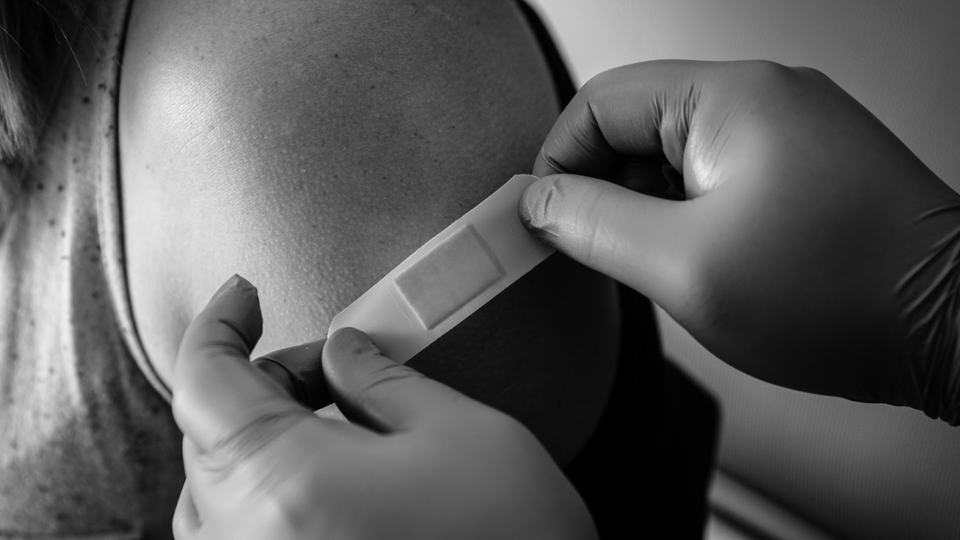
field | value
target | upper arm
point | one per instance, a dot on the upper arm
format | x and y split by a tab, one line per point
309	146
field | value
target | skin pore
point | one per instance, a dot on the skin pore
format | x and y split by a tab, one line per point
311	146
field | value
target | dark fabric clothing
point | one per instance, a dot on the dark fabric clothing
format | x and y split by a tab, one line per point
646	470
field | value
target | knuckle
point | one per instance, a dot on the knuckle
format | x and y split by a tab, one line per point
611	76
596	89
778	76
767	72
811	72
595	83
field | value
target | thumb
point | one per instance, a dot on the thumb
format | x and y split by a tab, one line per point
377	392
638	240
217	394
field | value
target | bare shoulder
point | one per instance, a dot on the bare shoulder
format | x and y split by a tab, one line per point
310	146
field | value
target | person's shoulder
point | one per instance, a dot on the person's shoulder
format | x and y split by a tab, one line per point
189	69
312	146
279	139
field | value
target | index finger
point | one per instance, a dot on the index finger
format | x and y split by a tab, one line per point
216	392
637	110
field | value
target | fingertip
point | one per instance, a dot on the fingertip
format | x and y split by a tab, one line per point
543	208
230	325
215	389
240	297
345	351
542	165
235	284
534	201
349	341
236	304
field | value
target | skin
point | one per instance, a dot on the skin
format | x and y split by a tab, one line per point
312	146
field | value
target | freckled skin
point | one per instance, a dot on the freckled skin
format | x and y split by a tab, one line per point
311	146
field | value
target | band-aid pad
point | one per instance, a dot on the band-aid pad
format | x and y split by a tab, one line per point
449	277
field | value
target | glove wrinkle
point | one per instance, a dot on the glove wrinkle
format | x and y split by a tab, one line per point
930	288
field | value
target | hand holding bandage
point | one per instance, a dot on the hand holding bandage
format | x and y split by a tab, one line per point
419	461
814	250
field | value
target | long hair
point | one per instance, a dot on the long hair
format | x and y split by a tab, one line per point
28	34
28	37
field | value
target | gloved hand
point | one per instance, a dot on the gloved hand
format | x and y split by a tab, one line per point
420	461
814	250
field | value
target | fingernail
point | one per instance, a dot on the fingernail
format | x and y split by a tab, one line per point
236	283
534	203
528	200
535	209
352	341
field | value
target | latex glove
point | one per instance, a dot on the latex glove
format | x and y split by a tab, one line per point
423	461
298	371
814	250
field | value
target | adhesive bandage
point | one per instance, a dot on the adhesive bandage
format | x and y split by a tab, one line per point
451	276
